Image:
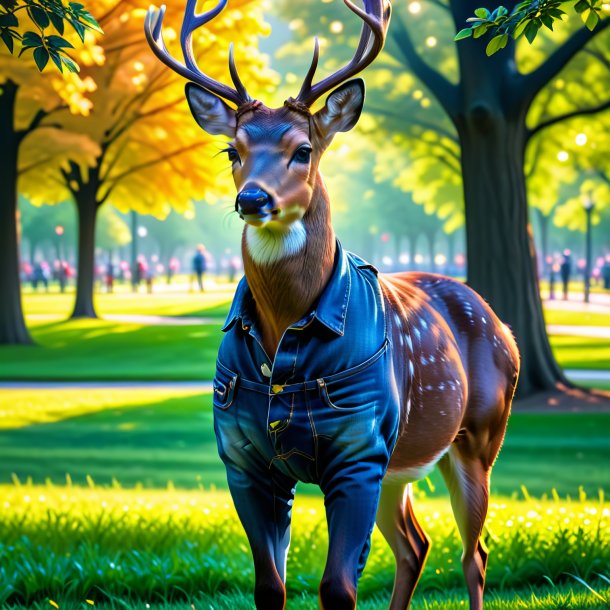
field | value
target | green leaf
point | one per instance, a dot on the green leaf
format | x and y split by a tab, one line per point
41	57
57	60
548	21
32	39
480	30
557	13
465	33
483	13
58	22
39	16
581	6
7	39
521	28
496	43
79	29
8	20
72	67
531	31
592	19
57	42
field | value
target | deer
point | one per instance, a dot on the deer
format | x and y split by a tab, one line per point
330	372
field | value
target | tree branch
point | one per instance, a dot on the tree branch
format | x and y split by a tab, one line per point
599	56
136	168
568	115
414	122
444	91
532	83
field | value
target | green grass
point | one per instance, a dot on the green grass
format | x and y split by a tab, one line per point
561	597
103	350
581	352
576	318
75	544
213	302
157	436
111	350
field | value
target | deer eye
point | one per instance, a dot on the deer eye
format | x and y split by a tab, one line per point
232	154
302	155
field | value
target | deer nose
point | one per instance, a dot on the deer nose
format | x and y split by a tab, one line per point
253	201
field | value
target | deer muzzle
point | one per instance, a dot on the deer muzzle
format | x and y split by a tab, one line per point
254	203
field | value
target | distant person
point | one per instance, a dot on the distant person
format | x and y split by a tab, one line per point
40	275
62	275
565	270
150	277
200	265
234	266
606	272
141	269
172	269
109	277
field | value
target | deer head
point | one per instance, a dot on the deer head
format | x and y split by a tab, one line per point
274	153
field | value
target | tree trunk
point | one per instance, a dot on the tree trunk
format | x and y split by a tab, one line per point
412	252
451	239
13	330
499	243
87	207
431	237
543	224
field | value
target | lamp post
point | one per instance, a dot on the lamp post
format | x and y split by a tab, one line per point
588	205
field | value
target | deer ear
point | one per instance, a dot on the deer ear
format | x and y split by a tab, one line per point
210	112
342	109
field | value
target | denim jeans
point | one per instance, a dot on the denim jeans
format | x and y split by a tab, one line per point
325	411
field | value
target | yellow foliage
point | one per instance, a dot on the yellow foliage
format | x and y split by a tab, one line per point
129	112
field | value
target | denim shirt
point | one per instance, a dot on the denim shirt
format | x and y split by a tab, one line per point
327	400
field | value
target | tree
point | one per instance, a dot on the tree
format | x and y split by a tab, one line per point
526	19
38	224
29	102
488	104
29	29
151	151
112	231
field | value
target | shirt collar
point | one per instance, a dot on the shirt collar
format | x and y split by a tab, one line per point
330	310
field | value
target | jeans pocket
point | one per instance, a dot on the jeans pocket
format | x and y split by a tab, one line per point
225	385
358	388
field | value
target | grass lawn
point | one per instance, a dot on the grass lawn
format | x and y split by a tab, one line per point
70	544
581	352
561	597
117	350
214	301
156	436
104	350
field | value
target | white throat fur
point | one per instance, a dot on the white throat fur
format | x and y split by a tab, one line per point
272	242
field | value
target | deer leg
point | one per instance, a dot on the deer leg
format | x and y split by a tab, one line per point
351	504
408	541
467	479
264	507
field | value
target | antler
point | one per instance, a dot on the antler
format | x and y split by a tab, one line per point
153	27
376	17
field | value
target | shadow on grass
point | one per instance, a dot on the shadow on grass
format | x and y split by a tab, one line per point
172	440
102	350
